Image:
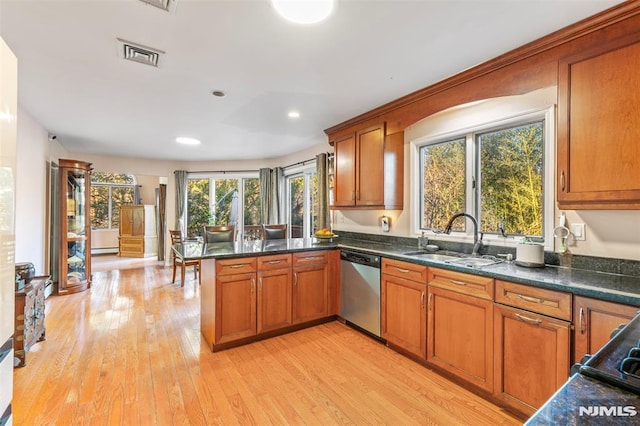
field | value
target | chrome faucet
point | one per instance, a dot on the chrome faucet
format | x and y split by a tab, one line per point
477	242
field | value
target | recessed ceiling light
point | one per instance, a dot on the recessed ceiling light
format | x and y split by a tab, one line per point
219	93
293	114
303	11
187	141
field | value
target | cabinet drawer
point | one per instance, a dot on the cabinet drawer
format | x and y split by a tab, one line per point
548	302
276	261
310	258
460	282
409	271
235	266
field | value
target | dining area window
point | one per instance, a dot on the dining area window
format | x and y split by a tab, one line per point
224	200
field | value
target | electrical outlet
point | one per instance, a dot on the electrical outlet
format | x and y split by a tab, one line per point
578	231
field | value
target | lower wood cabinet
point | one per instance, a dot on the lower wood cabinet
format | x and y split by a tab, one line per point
460	326
531	357
245	297
274	292
310	298
594	321
235	307
404	314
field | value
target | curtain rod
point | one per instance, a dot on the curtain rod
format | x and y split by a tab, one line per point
299	163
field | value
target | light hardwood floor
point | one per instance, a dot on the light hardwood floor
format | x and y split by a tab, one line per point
129	351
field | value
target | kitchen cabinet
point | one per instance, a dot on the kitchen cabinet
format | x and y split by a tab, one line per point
245	297
460	325
599	127
369	169
531	350
235	309
310	286
274	292
137	231
594	320
404	314
74	246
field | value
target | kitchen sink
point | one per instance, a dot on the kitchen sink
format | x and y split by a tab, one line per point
475	262
441	256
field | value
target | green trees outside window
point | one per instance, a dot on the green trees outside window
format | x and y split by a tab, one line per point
109	191
502	178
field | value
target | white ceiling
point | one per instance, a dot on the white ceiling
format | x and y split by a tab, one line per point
72	81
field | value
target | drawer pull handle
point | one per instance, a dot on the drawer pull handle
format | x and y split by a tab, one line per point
528	320
273	262
530	299
239	265
429	301
562	180
404	271
456	282
307	259
583	325
295	278
422	300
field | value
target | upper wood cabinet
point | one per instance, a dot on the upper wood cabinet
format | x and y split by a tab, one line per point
369	169
599	127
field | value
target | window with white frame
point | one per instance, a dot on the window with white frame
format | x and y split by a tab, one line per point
500	172
109	191
302	202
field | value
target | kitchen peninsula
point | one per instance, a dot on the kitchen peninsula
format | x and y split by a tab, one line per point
259	289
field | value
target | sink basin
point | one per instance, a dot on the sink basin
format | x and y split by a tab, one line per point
443	257
475	262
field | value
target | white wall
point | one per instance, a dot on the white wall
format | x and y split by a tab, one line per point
32	192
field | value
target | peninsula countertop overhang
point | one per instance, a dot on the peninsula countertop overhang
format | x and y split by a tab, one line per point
604	286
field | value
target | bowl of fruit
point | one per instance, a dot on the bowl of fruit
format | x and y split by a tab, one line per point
324	235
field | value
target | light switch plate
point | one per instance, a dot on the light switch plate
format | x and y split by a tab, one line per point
578	231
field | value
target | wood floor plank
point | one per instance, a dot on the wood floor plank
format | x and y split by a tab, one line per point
129	351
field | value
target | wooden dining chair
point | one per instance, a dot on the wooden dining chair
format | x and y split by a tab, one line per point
176	238
219	233
274	232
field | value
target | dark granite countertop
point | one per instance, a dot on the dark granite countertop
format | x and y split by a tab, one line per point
563	408
196	250
605	286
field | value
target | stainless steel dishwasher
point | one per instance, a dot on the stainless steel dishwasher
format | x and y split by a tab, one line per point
360	290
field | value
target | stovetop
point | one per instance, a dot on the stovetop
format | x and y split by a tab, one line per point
618	362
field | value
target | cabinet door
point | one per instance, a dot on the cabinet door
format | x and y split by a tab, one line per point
599	127
531	357
345	171
404	314
235	307
460	335
126	220
310	292
594	321
137	227
274	299
370	166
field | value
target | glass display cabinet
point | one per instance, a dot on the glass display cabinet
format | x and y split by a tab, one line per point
74	262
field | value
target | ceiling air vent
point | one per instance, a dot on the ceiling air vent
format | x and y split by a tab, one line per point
139	53
167	5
